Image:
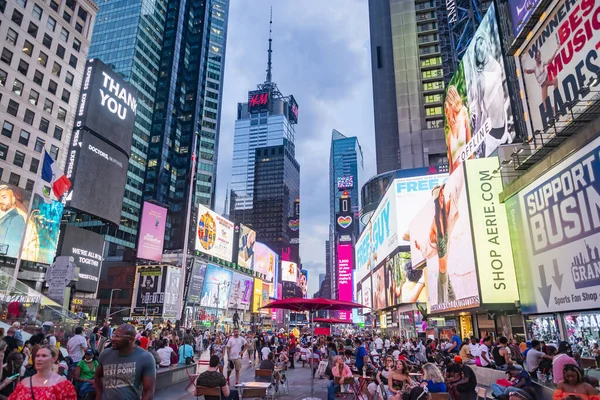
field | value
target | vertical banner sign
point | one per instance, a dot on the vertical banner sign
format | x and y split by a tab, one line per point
257	300
344	258
559	217
246	247
490	228
15	203
171	307
149	296
196	282
152	232
303	284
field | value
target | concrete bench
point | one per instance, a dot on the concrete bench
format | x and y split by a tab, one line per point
173	375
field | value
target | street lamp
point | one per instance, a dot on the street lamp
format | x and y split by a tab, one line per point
110	301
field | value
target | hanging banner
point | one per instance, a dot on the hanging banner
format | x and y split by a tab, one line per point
152	232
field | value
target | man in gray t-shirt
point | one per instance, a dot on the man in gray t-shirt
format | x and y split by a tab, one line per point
125	371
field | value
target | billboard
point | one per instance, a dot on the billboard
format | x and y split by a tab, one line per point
558	63
344	267
246	247
257	301
86	248
404	284
241	292
555	233
266	261
293	111
259	100
214	234
217	284
378	288
289	271
345	182
172	292
521	11
41	235
152	232
477	112
495	266
89	154
107	105
149	291
14	204
303	282
196	282
441	239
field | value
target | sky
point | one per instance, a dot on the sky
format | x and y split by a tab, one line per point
321	55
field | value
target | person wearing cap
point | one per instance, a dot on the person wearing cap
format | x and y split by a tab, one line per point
362	356
84	373
520	378
464	384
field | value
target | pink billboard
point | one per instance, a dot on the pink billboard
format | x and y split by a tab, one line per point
152	233
344	265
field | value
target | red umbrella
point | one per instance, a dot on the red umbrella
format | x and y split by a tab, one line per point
333	320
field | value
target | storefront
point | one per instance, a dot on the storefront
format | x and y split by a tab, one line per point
583	329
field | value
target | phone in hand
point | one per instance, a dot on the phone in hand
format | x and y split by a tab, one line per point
14	376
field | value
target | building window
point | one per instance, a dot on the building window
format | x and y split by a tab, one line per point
51	24
433	111
22	3
17	87
69	77
19	159
47	41
76	44
33	29
66	96
29	185
29	116
35	164
14	179
3	153
12	36
73	61
438	159
48	106
6	56
13	108
39	145
44	125
28	48
79	27
66	16
2	9
433	86
434	73
24	137
38	77
435	124
56	68
54	152
17	17
81	13
62	114
3	76
43	59
58	132
60	51
54	5
7	129
433	98
52	86
37	12
33	97
23	67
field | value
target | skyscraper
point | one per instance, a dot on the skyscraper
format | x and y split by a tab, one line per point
173	53
411	58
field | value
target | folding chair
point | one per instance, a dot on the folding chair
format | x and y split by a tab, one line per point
346	381
440	396
251	393
207	391
191	377
265	375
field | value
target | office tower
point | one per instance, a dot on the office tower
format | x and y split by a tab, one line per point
321	279
172	52
41	69
411	58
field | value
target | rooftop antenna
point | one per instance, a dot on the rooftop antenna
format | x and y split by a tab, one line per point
270	51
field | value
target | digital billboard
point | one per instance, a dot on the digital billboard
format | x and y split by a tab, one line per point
441	239
259	100
344	267
214	234
558	63
289	271
171	306
404	284
303	282
246	247
477	112
86	248
555	232
98	194
217	285
152	232
257	301
345	182
149	291
107	105
196	282
378	288
14	204
41	235
240	294
521	11
495	266
266	261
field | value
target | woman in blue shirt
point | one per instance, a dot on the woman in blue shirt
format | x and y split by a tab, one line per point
185	351
433	379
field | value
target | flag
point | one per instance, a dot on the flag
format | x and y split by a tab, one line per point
52	175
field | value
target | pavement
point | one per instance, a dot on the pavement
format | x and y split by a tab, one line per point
299	381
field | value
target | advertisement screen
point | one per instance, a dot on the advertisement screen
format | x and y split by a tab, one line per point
173	286
86	248
293	113
107	105
521	11
214	235
149	295
441	238
367	295
259	100
152	232
345	182
257	301
289	271
555	230
217	284
88	155
559	62
378	288
303	283
246	247
344	264
493	251
478	116
241	292
265	261
15	204
196	282
404	284
41	235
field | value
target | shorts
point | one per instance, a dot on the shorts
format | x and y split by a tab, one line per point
237	363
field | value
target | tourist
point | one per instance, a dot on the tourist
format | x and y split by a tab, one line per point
484	352
573	386
77	345
14	362
559	361
464	382
501	355
186	352
362	357
216	349
236	345
213	378
399	381
433	379
520	380
381	378
535	357
84	374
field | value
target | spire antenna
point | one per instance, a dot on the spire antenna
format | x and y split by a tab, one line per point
270	51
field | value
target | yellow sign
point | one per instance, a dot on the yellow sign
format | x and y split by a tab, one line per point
257	298
491	238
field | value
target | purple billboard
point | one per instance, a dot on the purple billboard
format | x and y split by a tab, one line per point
152	233
521	11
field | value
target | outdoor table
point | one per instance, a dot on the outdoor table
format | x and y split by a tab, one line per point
360	385
252	385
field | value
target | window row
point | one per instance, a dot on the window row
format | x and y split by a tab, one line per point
19	159
8	130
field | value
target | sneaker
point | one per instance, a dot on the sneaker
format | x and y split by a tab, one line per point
227	381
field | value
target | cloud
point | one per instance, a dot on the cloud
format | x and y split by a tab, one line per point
320	55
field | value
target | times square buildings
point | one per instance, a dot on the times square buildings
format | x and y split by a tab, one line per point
519	258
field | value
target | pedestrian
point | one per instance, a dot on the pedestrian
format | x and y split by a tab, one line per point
559	361
77	345
236	345
125	371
